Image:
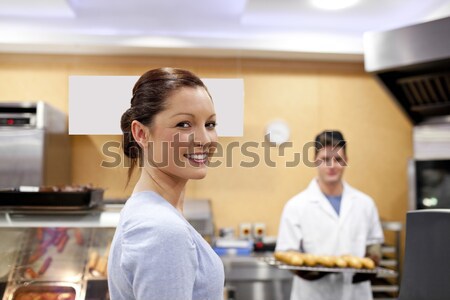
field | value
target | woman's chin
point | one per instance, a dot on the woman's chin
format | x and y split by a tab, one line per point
196	173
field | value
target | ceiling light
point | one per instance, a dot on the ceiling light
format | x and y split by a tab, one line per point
333	4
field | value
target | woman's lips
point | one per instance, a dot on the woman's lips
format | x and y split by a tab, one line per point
199	158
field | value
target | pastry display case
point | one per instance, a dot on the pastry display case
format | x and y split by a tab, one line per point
56	255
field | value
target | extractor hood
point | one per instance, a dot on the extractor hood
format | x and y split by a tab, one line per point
413	63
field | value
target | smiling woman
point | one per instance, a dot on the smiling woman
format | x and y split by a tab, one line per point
171	110
182	136
169	133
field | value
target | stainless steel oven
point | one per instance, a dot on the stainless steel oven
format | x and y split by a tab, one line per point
34	145
429	171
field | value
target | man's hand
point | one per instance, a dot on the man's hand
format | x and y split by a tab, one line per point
373	252
360	277
311	275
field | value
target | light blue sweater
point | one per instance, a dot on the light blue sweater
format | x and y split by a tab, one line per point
157	255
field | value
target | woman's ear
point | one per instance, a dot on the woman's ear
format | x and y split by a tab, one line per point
140	133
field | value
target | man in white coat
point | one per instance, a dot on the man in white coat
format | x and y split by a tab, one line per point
331	218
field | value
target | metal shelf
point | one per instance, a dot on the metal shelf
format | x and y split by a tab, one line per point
392	226
106	216
390	259
385	288
388	275
388	263
388	249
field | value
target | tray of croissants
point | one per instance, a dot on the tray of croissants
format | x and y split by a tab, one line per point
293	260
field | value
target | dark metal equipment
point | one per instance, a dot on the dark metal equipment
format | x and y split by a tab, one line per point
413	64
426	269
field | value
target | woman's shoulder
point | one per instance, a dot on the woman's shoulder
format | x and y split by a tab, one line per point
148	206
145	215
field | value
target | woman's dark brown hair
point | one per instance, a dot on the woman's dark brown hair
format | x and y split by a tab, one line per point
149	98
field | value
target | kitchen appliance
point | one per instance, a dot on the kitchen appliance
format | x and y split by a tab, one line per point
199	214
429	170
34	145
427	263
413	64
430	186
245	230
258	231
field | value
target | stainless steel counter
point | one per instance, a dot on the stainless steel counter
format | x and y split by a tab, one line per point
252	279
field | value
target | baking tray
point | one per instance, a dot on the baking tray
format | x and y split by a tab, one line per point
50	290
378	270
50	200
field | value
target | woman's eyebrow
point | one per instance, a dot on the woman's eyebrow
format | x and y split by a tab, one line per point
188	114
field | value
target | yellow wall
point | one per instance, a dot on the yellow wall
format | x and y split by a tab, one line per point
310	96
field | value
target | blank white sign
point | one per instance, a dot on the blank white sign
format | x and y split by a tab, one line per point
96	104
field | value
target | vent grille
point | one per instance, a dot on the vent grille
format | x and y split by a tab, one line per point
427	94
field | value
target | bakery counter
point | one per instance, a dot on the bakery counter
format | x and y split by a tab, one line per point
50	255
54	263
62	255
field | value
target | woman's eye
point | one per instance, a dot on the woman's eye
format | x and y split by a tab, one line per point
184	124
211	125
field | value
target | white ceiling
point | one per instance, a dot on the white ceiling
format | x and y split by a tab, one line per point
257	28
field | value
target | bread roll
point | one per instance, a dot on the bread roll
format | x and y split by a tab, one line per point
101	266
282	256
340	262
278	255
289	257
309	260
353	261
296	259
326	261
93	259
368	263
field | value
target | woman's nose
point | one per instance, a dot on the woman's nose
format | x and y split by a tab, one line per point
201	137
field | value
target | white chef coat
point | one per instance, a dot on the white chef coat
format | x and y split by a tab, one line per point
310	224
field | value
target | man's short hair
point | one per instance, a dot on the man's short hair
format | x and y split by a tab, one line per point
329	138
